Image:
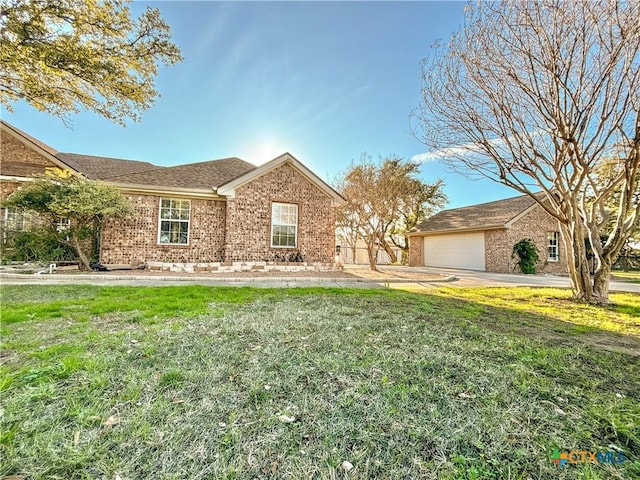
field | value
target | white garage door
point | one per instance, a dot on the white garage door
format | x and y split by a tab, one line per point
461	250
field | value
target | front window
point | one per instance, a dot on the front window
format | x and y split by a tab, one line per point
17	220
174	221
284	225
553	254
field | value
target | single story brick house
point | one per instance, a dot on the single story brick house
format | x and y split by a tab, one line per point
225	210
481	237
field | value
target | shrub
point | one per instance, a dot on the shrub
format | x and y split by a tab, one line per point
527	254
39	245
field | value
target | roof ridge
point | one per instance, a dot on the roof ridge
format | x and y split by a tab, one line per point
210	161
475	205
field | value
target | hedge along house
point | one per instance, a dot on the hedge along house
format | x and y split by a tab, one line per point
481	237
203	213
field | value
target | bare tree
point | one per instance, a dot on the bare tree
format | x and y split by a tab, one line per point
380	198
536	95
419	200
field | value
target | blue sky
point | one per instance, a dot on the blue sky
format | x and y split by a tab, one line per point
325	81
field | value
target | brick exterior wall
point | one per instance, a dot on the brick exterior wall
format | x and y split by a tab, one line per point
7	188
416	256
249	218
499	244
237	229
534	225
135	240
14	151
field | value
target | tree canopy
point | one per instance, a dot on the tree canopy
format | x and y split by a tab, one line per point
383	202
537	95
63	55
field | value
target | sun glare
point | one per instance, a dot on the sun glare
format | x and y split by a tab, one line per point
264	151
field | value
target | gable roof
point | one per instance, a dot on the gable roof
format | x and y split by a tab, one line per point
220	177
229	187
27	169
28	138
484	216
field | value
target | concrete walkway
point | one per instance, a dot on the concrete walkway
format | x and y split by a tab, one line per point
354	276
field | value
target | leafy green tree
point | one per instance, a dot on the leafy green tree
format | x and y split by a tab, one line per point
63	55
83	203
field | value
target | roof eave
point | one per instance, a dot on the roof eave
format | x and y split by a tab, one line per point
163	190
16	178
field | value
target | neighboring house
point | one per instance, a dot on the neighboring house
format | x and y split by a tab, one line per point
481	237
224	210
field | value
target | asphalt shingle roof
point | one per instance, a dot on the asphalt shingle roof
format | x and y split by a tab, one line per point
102	168
491	214
209	174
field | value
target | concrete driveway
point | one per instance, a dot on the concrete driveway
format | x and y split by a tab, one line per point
470	278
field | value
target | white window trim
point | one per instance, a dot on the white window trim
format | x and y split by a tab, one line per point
553	236
273	205
160	219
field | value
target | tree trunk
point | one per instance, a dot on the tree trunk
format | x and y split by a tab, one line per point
585	288
387	248
372	252
84	264
601	280
353	253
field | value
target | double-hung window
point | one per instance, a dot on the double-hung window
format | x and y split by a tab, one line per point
553	242
284	225
174	221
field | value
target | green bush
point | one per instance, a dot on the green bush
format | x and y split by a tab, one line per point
36	246
527	254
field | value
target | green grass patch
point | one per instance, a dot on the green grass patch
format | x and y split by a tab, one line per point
626	276
199	382
622	316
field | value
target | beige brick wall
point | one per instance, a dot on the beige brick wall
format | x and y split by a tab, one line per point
249	218
135	240
535	225
416	245
13	150
7	188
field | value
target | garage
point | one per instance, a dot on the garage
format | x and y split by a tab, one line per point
459	250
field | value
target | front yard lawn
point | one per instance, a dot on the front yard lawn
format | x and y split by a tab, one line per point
632	276
238	383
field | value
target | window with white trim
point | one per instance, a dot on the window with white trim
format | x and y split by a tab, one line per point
284	225
553	243
173	222
17	219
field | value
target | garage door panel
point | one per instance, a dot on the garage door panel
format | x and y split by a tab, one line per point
455	251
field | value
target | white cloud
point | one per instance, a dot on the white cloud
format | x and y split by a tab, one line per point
469	149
